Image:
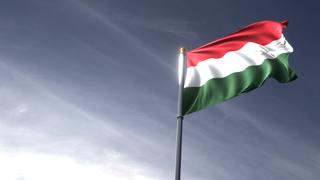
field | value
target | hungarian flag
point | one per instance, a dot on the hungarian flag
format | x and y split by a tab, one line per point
235	64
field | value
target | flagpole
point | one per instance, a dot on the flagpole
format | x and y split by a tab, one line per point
182	72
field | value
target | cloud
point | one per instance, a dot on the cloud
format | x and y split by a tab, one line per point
172	26
136	42
39	166
40	130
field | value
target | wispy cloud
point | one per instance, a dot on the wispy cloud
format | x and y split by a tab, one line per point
172	26
44	130
136	42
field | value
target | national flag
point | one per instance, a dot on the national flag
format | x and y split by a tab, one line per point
236	64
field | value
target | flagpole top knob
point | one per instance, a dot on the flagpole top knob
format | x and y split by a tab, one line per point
182	50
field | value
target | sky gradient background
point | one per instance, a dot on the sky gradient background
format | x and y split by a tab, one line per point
88	90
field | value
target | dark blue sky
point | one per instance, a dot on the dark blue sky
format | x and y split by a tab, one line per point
88	90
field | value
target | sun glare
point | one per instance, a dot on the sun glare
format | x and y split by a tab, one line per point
35	166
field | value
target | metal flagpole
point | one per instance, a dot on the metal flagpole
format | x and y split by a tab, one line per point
182	72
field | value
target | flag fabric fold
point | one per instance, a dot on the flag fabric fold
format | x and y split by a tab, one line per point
236	64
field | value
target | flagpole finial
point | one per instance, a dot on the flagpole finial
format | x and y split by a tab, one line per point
182	50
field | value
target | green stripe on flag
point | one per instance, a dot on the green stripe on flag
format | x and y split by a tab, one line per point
217	90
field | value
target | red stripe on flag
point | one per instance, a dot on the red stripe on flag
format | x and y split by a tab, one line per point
262	32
